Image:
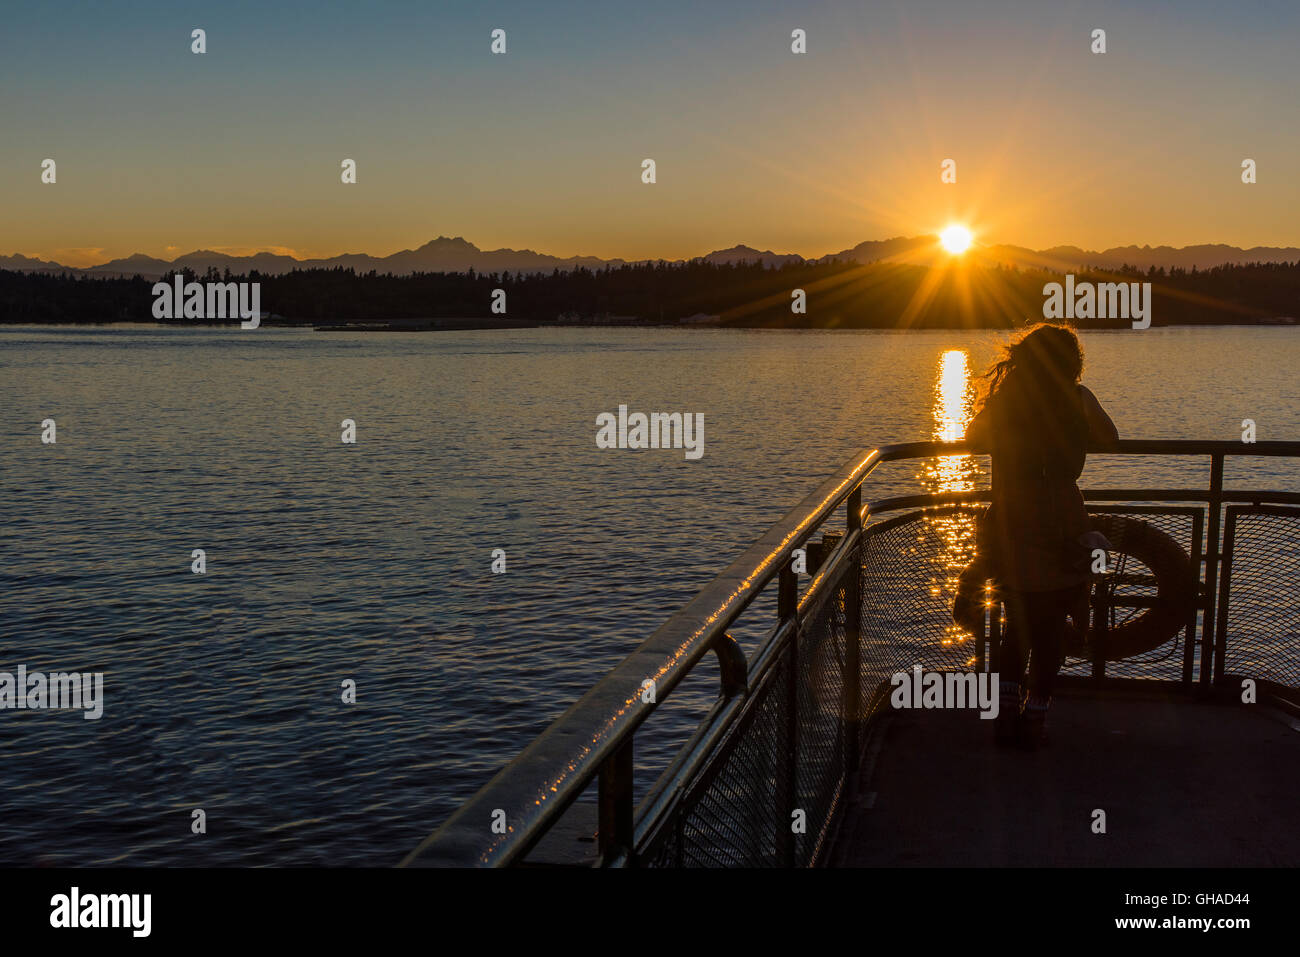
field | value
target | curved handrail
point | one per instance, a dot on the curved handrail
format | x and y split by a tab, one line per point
539	784
549	774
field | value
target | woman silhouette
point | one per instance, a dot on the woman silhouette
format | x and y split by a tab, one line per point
1038	423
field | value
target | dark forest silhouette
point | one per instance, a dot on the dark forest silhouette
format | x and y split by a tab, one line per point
839	294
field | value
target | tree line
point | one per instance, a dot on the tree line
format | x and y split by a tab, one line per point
837	294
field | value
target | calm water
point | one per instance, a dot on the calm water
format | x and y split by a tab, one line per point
372	562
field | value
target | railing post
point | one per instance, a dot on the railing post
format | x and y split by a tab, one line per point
1213	554
1100	628
787	608
1225	592
851	709
995	632
1189	644
614	833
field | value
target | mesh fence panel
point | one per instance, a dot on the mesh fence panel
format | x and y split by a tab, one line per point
909	579
821	705
1263	592
738	812
730	815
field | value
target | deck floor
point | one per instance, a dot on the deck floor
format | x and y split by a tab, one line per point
1183	784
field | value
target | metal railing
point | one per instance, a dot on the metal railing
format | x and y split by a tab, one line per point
785	731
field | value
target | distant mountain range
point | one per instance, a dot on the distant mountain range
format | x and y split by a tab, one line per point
459	255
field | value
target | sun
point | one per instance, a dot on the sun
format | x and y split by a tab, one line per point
956	239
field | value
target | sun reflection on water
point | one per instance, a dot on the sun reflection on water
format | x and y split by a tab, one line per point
954	401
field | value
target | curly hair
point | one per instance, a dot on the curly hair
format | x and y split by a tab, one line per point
1035	388
1045	361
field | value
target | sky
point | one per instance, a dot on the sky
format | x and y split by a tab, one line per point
162	151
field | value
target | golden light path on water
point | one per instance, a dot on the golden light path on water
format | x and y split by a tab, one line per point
954	407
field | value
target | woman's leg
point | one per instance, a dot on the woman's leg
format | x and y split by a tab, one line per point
1012	653
1046	613
1009	660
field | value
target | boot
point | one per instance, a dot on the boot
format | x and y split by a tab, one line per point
1034	721
1006	725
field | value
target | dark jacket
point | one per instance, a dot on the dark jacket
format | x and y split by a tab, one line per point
1032	533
